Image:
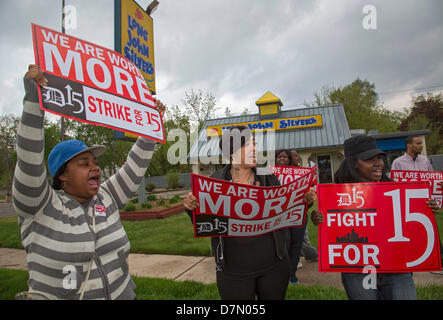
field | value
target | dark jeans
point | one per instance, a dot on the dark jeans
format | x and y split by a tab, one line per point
390	286
294	242
271	285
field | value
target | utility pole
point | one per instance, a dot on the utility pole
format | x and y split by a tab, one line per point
62	129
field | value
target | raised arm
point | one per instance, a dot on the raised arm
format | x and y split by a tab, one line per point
30	190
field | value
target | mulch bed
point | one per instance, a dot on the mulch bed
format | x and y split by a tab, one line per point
151	214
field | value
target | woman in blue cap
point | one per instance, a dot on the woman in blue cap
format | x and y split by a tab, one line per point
75	243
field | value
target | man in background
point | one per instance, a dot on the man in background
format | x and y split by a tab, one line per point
413	160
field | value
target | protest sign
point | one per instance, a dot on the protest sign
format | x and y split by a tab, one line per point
386	225
286	174
237	210
95	85
434	178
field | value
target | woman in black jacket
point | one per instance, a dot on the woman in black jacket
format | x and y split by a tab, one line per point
247	267
364	163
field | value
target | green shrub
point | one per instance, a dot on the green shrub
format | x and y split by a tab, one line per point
150	187
135	200
130	207
151	197
172	179
174	199
146	205
161	203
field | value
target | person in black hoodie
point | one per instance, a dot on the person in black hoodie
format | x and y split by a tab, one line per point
364	163
246	267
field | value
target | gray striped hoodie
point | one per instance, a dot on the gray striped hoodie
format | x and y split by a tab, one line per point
56	230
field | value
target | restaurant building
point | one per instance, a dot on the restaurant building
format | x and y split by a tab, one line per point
317	133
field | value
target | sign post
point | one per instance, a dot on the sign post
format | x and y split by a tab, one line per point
134	38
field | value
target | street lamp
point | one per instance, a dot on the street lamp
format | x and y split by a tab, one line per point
152	7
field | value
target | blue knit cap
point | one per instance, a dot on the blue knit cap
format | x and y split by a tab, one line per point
66	150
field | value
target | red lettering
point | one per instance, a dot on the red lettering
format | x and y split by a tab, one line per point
108	109
154	118
120	112
99	104
113	108
92	106
149	117
127	114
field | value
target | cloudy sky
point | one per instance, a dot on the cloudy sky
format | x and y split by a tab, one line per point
238	50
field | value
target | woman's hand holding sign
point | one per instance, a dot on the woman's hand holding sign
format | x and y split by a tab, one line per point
317	217
160	107
190	202
311	196
36	73
432	204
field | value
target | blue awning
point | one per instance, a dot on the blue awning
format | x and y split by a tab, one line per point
391	144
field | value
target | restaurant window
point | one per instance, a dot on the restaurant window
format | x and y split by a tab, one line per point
324	168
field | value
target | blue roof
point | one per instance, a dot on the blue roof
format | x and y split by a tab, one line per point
331	134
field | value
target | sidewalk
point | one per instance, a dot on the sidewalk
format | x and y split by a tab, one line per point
202	269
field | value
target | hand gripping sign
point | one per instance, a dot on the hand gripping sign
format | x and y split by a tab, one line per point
95	85
434	178
386	225
236	210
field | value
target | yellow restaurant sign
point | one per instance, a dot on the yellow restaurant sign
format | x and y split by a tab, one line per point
134	38
271	124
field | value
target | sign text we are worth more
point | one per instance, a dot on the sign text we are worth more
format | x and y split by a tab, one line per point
94	84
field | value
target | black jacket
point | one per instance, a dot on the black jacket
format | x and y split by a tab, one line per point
217	242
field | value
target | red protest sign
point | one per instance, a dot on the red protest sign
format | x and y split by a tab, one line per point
434	178
386	225
237	210
95	85
286	174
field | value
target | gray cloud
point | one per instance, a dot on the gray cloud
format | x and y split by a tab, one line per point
238	50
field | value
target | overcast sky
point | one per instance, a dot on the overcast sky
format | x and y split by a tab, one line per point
238	50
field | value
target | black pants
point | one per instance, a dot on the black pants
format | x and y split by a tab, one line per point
294	242
271	285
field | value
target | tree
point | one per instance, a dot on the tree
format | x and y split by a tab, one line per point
427	113
189	118
8	136
228	112
199	107
362	107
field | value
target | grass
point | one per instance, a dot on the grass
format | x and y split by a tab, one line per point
173	235
14	281
10	233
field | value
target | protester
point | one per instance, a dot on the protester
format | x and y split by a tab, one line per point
414	161
75	243
307	250
254	266
295	235
295	157
247	267
364	163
